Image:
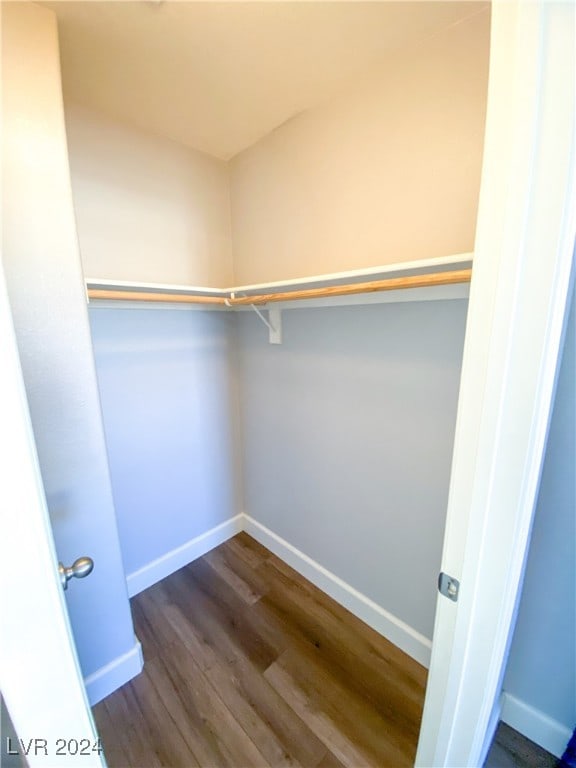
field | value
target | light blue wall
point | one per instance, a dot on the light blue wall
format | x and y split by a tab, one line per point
542	663
164	379
348	429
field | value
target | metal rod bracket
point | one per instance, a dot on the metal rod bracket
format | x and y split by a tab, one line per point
273	323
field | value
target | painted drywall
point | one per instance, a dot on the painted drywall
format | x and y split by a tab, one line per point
387	172
167	402
541	669
347	439
46	291
147	209
219	76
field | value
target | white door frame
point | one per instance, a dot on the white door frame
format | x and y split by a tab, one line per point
522	266
40	676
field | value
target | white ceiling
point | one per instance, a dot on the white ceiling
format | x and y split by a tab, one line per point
217	76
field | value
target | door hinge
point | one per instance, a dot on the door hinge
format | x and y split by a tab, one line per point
448	586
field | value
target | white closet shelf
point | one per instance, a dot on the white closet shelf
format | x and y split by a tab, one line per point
427	273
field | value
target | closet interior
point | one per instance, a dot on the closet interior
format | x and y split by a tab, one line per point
275	206
339	438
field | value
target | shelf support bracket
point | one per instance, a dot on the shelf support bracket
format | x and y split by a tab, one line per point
273	323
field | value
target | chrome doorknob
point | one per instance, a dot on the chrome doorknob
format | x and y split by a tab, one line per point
79	570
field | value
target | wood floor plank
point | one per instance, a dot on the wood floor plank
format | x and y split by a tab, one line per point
217	737
330	761
249	549
399	720
246	628
187	717
184	594
247	664
512	750
375	669
224	678
169	744
371	642
282	737
380	736
245	563
149	636
130	730
320	723
174	699
114	752
244	580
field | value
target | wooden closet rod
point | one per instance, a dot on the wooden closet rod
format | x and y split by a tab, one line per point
390	284
175	298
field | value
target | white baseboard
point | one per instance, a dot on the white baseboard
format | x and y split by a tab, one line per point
109	678
177	558
535	725
398	632
405	637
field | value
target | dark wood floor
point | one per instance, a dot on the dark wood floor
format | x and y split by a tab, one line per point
247	664
512	750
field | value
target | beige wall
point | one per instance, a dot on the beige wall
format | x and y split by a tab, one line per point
389	172
147	209
386	172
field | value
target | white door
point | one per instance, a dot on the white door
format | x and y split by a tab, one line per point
522	264
40	677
